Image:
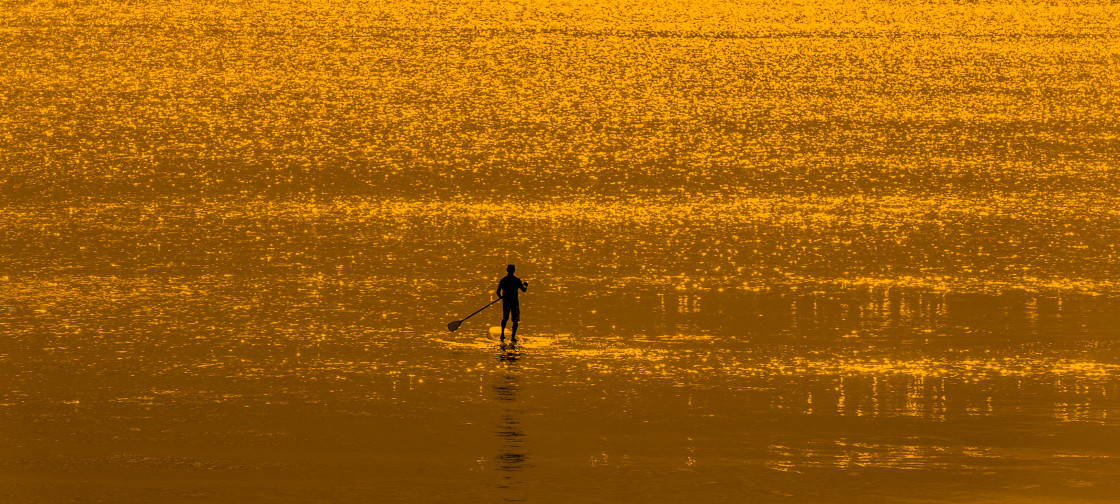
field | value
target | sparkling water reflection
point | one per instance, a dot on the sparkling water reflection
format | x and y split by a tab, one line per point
634	377
797	252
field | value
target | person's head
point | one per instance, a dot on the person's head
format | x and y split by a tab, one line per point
509	269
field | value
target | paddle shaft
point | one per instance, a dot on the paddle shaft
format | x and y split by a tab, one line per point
480	309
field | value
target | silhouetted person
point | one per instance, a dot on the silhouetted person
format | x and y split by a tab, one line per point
507	290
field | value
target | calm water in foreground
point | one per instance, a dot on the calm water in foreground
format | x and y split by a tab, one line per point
797	252
274	352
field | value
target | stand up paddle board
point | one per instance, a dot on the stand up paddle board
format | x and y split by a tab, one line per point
495	333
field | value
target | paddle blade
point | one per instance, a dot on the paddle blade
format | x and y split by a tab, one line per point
454	325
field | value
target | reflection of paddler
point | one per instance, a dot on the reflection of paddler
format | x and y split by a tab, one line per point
508	288
513	456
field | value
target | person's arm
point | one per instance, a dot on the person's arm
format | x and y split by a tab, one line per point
498	291
524	285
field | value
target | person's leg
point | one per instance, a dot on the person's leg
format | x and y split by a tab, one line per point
505	317
516	318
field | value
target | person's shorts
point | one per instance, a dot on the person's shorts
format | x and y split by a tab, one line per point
514	310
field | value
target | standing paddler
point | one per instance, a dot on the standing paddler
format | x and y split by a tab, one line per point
507	291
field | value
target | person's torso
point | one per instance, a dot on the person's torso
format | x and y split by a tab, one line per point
511	285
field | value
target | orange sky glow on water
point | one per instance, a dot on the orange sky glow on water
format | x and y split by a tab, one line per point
805	252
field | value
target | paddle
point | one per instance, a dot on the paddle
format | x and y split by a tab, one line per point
455	325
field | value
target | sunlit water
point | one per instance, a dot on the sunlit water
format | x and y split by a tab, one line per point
795	253
264	350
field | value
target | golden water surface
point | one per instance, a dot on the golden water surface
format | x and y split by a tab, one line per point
776	251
